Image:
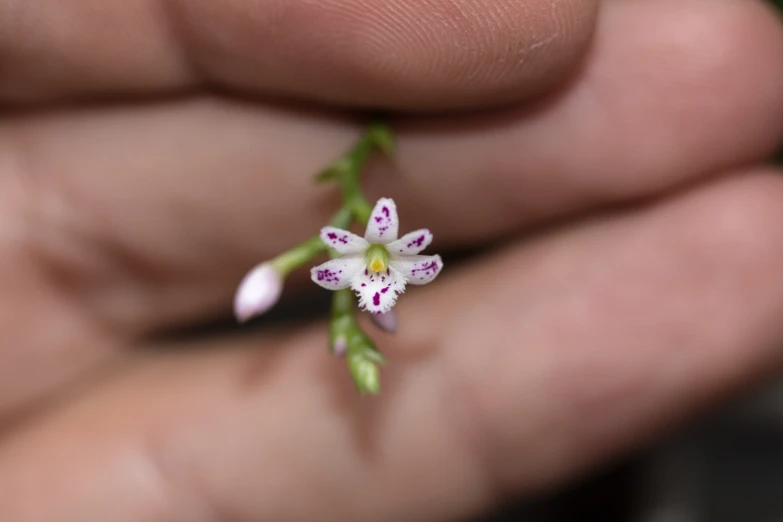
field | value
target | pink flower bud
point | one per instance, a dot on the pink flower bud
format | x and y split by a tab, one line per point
386	322
258	292
340	346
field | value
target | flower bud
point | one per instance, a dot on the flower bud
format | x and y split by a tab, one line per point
340	346
258	292
386	322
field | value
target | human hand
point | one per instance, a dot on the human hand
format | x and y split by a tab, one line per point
136	193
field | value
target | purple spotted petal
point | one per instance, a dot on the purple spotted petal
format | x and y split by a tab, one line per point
384	223
418	270
343	241
378	291
337	273
411	243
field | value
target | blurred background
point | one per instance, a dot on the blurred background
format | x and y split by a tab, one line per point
725	467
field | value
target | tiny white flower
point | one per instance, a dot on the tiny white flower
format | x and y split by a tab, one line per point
378	266
258	292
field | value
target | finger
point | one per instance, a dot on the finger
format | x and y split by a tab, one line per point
409	54
167	236
536	363
653	108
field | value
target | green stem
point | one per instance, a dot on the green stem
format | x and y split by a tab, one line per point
304	252
344	331
362	355
353	199
346	170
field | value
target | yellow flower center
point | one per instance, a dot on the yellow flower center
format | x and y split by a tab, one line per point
377	258
377	265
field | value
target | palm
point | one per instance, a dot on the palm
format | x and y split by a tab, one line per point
125	219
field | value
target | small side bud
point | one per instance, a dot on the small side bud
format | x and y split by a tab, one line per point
340	346
258	292
386	322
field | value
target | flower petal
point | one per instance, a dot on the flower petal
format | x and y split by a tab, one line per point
337	273
377	292
384	223
411	243
418	270
343	241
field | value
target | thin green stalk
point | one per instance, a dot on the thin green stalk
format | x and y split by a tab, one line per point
361	353
304	252
348	168
344	331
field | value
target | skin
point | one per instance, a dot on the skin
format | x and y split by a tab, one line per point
612	156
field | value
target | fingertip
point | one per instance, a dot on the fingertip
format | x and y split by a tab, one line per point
713	62
400	54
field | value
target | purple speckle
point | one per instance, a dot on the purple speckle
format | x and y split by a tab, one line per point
384	290
363	284
385	210
430	268
376	299
334	238
378	219
327	276
417	242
